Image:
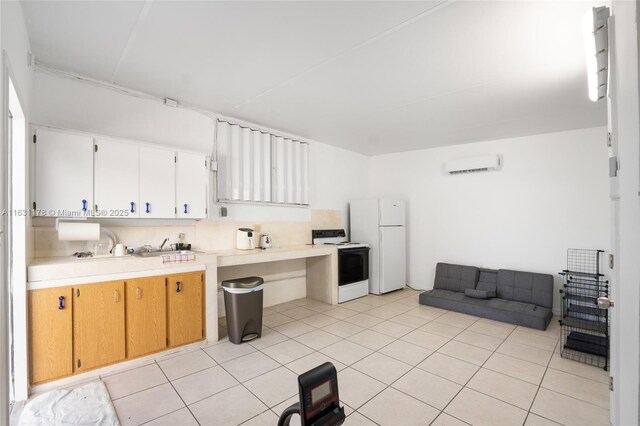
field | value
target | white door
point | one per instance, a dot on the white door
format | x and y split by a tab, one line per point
191	185
614	195
393	270
117	178
64	173
391	212
157	183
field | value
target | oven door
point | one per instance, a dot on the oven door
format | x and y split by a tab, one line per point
353	265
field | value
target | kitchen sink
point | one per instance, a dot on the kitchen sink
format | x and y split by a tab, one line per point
156	253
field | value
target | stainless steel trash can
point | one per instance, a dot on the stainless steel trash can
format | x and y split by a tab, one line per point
243	306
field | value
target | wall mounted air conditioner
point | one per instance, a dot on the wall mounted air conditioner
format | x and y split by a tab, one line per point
474	164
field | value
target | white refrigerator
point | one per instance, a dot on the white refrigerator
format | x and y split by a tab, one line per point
381	224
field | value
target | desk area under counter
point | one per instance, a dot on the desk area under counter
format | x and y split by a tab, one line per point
289	273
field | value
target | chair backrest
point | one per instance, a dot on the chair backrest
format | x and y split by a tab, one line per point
455	277
526	287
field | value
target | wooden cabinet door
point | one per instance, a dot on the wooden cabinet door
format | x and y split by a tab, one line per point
191	185
185	309
50	334
117	181
98	325
63	172
157	183
146	315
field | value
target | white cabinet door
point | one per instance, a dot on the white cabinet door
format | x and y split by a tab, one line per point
393	267
64	173
157	183
117	178
191	185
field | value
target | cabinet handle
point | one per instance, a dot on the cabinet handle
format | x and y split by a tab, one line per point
178	286
148	208
133	207
138	293
186	210
84	205
61	302
116	296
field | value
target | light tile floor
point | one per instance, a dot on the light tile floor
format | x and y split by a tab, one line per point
399	363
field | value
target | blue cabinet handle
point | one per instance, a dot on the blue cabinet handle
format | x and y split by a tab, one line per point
133	207
84	205
148	207
61	302
186	209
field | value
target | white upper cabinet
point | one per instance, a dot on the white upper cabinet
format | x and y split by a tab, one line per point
157	183
63	173
191	185
117	178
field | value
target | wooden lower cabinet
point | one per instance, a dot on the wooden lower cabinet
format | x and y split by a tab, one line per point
185	308
98	325
50	334
73	329
146	315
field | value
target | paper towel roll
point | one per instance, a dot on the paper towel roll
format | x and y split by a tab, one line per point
70	231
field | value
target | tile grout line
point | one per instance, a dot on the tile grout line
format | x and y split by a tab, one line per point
411	369
540	386
242	383
355	410
409	308
416	366
453	338
474	374
470	378
179	396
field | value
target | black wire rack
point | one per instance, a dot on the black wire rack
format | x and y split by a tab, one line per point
585	327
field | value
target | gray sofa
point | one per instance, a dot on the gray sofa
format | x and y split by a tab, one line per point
515	297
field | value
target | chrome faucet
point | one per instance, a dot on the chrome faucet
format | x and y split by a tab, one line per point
163	243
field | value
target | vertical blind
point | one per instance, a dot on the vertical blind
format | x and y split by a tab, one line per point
256	166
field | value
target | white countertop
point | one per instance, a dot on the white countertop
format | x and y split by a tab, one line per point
67	270
274	254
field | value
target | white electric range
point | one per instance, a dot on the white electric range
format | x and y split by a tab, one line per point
353	262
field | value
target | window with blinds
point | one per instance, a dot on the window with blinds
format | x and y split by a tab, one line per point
255	166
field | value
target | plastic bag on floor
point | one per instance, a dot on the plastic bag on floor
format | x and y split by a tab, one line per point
85	405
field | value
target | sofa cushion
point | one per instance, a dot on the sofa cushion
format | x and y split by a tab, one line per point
455	277
508	311
479	294
487	280
447	294
525	287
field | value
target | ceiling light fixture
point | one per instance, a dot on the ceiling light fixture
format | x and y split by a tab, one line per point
596	44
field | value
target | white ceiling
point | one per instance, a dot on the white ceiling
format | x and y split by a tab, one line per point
370	76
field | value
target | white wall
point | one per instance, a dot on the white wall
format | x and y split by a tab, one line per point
67	103
336	175
550	195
